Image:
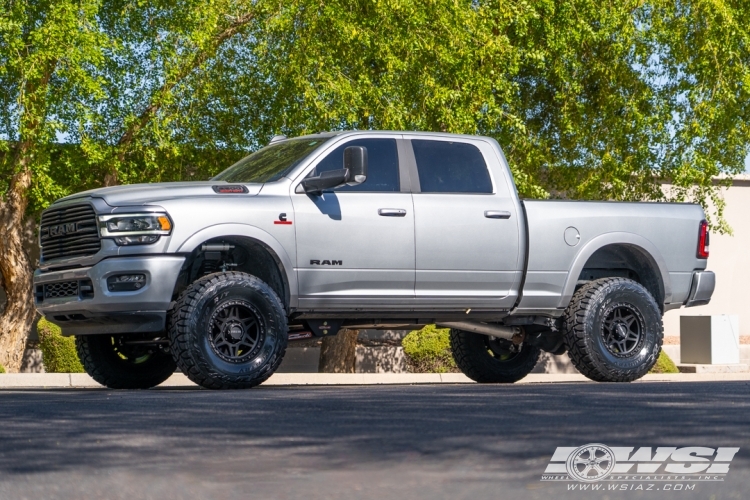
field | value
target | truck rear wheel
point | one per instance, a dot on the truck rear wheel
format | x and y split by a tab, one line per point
124	361
613	330
490	360
228	331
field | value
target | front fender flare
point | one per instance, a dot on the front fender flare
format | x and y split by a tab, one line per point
255	233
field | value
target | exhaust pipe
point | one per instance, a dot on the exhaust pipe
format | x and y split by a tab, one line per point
513	333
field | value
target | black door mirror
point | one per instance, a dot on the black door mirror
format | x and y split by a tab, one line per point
327	180
353	173
355	161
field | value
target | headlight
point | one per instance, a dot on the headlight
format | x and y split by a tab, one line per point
135	229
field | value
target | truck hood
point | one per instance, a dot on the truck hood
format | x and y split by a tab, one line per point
138	194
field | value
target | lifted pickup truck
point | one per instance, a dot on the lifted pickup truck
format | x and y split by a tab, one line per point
362	229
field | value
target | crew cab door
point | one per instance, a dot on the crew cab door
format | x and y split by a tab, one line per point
355	244
466	227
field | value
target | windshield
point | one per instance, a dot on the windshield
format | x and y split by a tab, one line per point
270	163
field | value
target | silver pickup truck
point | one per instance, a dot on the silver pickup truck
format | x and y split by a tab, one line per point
362	229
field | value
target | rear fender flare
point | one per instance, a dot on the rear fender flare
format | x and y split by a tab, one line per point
616	238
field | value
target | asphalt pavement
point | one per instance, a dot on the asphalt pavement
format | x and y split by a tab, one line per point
351	442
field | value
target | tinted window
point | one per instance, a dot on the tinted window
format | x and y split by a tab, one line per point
382	165
451	167
270	163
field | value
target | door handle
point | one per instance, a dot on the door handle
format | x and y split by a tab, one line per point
497	214
392	212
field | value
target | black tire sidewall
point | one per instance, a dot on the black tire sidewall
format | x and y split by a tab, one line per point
270	313
474	359
104	365
636	297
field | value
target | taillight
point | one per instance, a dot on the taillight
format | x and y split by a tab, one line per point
703	240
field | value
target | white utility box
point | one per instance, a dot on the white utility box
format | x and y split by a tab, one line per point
710	340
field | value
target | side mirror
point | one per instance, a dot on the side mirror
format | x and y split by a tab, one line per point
353	173
355	161
327	180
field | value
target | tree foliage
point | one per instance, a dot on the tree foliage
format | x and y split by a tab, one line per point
589	99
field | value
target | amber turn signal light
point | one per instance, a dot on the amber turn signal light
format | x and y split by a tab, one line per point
166	225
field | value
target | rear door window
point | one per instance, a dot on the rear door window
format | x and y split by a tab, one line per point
382	165
451	167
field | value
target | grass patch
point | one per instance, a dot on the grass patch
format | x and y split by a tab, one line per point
664	364
428	350
58	352
2	369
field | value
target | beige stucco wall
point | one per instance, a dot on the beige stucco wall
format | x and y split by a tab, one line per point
730	259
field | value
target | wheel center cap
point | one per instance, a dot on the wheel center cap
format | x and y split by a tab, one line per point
621	331
235	331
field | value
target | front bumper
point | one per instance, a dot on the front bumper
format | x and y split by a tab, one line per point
101	311
701	289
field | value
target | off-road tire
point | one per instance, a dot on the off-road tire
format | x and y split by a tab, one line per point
472	354
109	366
585	334
193	319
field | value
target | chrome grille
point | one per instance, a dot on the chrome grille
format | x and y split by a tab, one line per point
69	232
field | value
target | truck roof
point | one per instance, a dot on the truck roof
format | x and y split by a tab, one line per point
334	133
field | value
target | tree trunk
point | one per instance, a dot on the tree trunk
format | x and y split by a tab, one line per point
337	354
110	178
16	271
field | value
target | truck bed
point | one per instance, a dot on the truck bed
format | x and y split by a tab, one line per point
603	234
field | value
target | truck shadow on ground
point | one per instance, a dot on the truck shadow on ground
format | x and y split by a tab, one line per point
489	428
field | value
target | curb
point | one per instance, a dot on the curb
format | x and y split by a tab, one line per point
82	380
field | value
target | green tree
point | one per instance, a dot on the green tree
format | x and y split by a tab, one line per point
99	74
625	96
49	52
589	100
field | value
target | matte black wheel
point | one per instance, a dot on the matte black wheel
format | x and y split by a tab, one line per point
235	331
613	330
125	361
487	359
228	331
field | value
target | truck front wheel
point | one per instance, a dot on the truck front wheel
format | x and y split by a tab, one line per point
613	330
489	360
228	331
124	361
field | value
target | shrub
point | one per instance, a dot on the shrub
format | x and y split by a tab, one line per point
428	350
664	364
58	352
2	369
